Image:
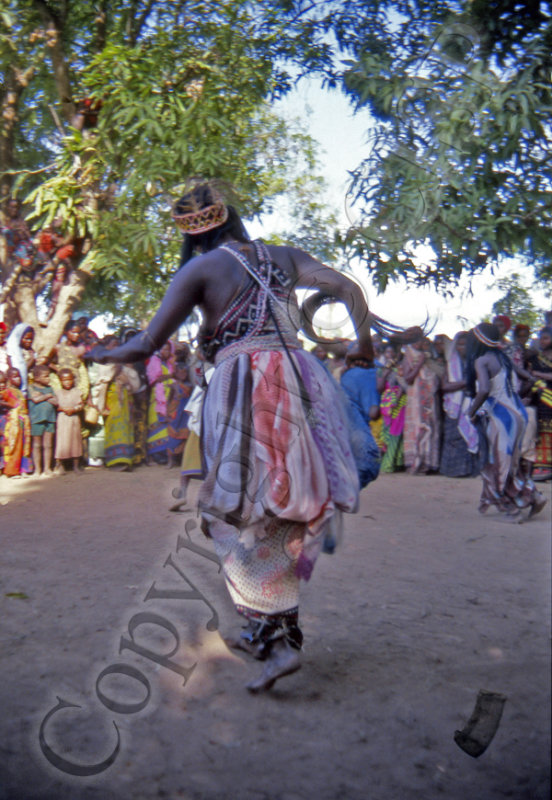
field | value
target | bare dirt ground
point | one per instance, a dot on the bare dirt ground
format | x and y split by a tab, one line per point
424	604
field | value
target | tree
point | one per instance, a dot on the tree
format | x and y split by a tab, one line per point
107	110
460	157
516	301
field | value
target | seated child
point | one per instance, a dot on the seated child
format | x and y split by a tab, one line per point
68	428
42	411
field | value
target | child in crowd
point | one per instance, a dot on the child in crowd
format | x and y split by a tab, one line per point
17	428
42	412
68	429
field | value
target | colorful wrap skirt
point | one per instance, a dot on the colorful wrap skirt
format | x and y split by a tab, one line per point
278	470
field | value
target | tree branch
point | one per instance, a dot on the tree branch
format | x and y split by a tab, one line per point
55	24
137	28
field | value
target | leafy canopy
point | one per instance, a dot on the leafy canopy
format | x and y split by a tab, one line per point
180	89
460	154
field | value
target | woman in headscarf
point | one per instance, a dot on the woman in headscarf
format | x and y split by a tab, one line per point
506	484
460	446
20	350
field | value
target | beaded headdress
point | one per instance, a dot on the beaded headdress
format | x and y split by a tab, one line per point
479	334
200	220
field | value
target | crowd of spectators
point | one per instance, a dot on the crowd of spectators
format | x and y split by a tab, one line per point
416	401
66	413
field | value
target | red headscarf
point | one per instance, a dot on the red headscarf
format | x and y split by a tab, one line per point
521	327
506	321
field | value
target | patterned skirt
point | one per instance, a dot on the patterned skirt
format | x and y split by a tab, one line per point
278	468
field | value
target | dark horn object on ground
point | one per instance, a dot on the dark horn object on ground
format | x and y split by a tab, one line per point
477	735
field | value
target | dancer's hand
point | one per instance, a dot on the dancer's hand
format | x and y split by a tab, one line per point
99	354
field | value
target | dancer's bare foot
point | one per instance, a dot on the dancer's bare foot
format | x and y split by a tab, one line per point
283	660
537	506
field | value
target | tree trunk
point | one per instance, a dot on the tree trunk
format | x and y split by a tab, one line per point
69	298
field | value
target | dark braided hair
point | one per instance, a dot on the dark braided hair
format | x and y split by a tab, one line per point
476	348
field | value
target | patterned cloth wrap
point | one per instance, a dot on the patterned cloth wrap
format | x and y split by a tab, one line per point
275	447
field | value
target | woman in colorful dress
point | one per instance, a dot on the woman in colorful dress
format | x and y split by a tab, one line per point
422	422
118	421
540	366
17	428
506	484
177	415
4	408
393	390
140	402
160	372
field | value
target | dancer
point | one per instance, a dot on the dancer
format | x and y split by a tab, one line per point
278	463
506	484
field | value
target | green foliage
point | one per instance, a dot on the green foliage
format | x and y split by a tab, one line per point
516	301
460	157
182	89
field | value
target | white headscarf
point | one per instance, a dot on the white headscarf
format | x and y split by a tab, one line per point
15	351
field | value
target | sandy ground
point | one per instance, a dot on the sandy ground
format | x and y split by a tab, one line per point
424	604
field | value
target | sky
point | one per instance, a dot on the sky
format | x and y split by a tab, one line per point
342	136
